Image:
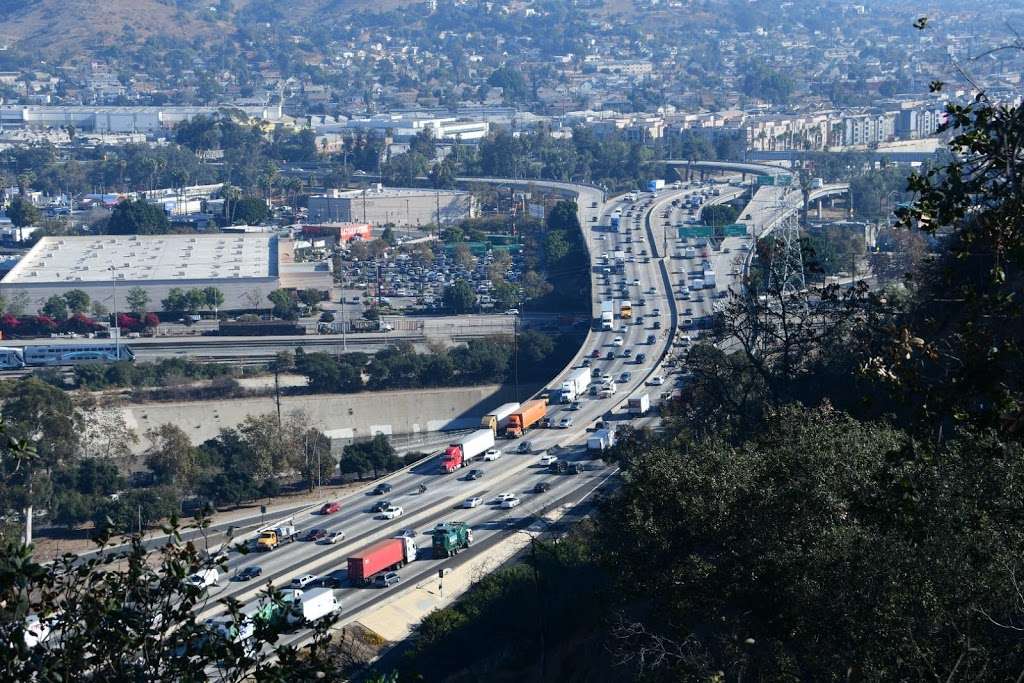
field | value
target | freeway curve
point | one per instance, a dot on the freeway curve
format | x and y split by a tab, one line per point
514	472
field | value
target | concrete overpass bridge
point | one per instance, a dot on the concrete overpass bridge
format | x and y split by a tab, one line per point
687	170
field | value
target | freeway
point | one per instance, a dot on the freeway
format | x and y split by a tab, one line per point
648	279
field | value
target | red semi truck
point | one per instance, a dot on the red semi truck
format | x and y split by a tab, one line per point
380	557
459	454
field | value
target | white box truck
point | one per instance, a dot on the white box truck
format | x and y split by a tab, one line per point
655	185
574	385
607	314
639	405
313	605
205	578
601	440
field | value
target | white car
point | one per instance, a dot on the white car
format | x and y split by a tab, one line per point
617	341
332	538
302	581
506	496
473	502
510	503
512	311
392	512
546	460
656	381
565	422
492	454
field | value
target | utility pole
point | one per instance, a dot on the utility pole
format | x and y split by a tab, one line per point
117	328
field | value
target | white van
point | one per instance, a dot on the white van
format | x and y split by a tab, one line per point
204	578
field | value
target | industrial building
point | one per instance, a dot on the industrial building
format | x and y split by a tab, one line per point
244	267
118	119
402	207
339	233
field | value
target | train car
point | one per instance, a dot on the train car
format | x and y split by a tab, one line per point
74	354
11	358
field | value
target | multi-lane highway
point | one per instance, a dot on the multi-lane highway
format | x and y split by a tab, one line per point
649	279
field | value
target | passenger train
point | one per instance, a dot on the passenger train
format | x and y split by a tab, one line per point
15	357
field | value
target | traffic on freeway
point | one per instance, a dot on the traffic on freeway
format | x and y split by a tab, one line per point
489	485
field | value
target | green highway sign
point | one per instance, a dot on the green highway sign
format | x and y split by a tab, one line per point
734	230
696	231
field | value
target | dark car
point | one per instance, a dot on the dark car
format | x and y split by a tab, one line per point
610	355
541	487
334	579
381	505
314	535
382	489
651	339
249	573
474	475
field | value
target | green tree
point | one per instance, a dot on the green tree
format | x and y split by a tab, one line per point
177	300
171	457
77	300
459	297
23	213
563	216
213	298
137	217
249	211
138	300
719	214
284	305
56	308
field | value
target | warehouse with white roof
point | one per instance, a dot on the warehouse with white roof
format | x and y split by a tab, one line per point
244	267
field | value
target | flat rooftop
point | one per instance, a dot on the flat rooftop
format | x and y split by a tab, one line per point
147	257
389	192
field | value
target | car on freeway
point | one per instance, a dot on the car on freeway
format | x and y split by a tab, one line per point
492	454
626	353
386	580
625	377
651	339
332	538
330	508
336	578
512	311
302	581
618	341
380	506
606	376
525	447
575	405
596	353
546	460
392	512
610	355
640	358
502	497
657	324
474	502
249	573
542	487
473	475
565	422
656	313
314	535
510	503
652	290
642	302
585	363
656	381
382	489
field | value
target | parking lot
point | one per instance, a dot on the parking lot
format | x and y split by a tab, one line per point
413	281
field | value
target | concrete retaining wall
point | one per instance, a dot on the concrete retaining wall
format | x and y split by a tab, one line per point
341	416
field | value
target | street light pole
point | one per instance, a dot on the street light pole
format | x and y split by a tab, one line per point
117	328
